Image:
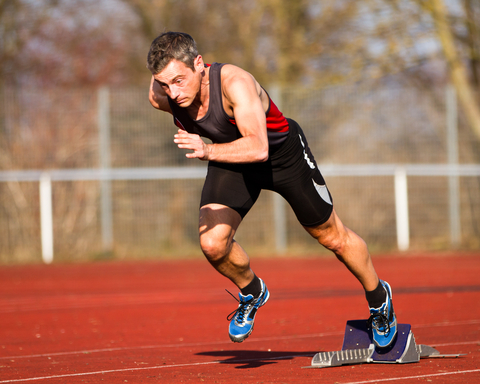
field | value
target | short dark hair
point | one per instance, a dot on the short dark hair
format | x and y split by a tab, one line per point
171	46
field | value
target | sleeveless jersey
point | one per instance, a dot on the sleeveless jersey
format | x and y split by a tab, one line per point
217	126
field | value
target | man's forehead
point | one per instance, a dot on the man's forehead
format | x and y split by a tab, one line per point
174	69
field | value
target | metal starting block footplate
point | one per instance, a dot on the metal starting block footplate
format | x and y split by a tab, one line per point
358	348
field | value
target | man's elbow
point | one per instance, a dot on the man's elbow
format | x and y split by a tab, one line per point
262	155
154	102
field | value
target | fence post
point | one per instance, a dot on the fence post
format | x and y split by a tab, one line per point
105	164
452	154
279	214
46	218
401	209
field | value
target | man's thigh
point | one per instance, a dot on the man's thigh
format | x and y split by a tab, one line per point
298	179
218	222
309	198
227	185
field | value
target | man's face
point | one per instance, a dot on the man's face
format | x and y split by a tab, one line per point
179	82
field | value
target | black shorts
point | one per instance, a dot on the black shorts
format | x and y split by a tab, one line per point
290	171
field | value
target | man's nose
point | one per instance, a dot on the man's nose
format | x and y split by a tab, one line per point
174	92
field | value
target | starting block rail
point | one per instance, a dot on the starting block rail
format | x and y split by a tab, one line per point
358	348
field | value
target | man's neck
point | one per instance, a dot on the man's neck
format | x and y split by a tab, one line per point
199	107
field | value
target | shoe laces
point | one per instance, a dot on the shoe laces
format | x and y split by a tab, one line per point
241	309
380	321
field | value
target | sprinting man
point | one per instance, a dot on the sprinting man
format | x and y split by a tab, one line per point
253	147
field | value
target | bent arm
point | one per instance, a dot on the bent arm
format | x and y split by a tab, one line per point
242	94
157	96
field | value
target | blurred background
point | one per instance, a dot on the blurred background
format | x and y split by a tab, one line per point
386	91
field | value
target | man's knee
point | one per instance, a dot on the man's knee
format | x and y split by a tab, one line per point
214	247
345	244
217	227
333	241
331	234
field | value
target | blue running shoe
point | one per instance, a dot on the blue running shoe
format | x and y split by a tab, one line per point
383	321
241	320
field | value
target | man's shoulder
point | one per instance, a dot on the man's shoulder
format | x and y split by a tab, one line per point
232	76
232	72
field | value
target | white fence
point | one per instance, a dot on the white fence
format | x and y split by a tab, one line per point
400	173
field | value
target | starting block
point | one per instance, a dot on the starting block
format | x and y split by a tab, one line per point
358	348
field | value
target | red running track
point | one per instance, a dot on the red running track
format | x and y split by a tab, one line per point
147	322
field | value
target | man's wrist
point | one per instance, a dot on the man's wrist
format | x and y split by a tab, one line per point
207	151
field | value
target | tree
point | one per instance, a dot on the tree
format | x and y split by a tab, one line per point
456	66
279	41
49	42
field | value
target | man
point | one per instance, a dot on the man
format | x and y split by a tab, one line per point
253	147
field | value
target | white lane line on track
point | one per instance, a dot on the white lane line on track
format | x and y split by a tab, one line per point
449	323
108	371
54	301
242	361
458	343
81	301
273	338
179	345
383	379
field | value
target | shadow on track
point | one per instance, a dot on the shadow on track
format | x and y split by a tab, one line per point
254	359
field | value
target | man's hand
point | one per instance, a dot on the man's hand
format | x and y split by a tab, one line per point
191	141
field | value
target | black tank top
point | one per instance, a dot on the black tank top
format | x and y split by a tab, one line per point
217	126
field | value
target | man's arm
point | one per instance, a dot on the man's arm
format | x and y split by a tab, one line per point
157	97
242	95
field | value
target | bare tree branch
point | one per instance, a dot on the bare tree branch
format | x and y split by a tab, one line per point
456	67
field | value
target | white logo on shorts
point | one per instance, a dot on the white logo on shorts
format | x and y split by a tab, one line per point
309	162
323	192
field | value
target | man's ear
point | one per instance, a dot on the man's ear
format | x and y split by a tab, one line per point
199	64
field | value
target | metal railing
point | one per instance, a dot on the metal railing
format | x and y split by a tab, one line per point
400	173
